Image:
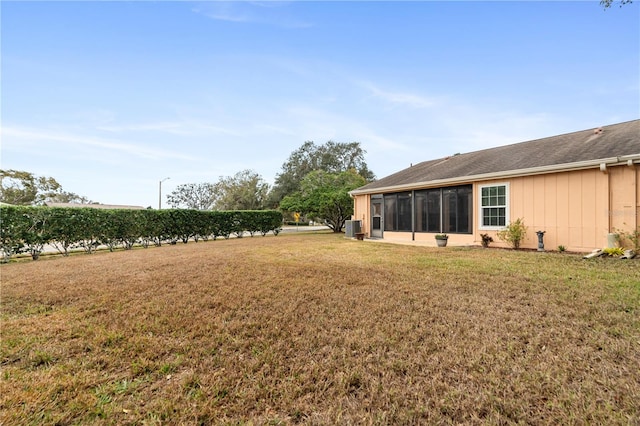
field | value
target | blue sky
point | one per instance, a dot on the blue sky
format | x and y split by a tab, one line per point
111	97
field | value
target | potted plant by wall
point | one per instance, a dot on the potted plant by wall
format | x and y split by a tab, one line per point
486	240
441	240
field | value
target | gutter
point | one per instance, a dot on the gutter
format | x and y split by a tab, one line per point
602	164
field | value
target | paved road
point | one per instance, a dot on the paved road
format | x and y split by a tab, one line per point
285	230
289	228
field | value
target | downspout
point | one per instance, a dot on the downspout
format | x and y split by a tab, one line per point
610	237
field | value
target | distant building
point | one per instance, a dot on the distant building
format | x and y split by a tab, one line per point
94	206
577	188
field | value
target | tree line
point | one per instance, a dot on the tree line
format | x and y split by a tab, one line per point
248	190
20	188
314	181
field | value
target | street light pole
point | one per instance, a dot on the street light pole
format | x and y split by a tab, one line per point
160	193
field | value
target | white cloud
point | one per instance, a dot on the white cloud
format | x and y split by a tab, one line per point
399	98
322	125
13	137
224	12
270	13
473	127
182	128
269	128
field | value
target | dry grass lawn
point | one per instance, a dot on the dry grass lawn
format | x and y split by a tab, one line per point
317	329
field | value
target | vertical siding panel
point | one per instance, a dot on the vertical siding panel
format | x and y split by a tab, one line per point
637	184
575	209
632	216
365	214
528	211
361	211
539	205
527	207
551	211
516	204
623	198
589	206
356	206
562	205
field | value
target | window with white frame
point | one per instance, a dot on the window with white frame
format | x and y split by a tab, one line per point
494	207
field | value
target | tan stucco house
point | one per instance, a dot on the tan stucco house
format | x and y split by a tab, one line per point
577	188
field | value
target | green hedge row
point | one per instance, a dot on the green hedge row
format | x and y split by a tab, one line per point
29	229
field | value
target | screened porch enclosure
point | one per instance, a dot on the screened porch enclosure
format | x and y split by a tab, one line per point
439	210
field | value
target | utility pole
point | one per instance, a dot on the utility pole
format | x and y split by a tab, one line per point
160	193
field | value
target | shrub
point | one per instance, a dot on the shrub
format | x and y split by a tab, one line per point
12	227
632	237
28	228
514	233
66	228
613	251
486	240
36	233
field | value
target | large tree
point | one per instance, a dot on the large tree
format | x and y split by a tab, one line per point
246	190
332	157
326	196
197	196
70	197
24	188
608	3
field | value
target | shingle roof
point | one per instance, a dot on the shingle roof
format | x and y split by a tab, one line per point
605	142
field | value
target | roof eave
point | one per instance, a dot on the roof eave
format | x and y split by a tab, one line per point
581	165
